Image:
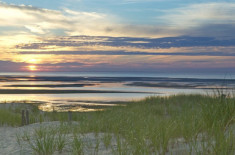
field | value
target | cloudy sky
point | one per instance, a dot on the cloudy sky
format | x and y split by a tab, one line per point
111	35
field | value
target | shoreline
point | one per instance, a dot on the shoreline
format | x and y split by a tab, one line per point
182	124
46	91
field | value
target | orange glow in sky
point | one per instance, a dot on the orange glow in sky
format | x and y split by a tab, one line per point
125	35
33	61
32	68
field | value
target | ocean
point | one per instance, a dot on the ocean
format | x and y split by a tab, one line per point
89	91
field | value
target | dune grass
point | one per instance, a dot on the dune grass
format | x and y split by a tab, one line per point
155	125
9	118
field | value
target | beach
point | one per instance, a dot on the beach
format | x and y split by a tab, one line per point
127	77
10	145
60	89
116	114
181	124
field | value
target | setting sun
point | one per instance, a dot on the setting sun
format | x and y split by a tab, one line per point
32	68
32	61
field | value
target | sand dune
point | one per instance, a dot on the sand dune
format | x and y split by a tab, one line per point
9	145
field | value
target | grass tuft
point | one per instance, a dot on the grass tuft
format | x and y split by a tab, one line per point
155	125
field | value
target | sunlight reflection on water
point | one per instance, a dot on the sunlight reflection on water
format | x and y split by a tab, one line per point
92	101
62	102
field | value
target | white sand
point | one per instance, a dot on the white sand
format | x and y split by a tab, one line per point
9	145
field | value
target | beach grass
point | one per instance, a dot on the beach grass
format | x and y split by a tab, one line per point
156	125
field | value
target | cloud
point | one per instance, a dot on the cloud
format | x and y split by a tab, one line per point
221	53
194	19
143	43
197	19
43	21
219	31
193	35
35	29
100	47
138	1
8	66
204	13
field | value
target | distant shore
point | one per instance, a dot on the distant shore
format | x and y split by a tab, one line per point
46	91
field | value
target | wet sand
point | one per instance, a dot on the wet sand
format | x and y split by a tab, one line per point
179	85
51	85
112	79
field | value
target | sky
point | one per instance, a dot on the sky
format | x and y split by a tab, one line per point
111	35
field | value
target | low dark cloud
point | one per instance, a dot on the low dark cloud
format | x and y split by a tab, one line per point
145	43
219	31
133	53
131	42
9	66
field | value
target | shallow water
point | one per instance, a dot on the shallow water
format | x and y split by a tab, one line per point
117	86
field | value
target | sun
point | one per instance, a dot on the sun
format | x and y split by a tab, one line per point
33	61
32	68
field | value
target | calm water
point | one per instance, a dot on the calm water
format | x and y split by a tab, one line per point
103	88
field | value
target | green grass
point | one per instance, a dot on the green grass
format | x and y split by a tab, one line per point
9	118
77	146
44	140
152	125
